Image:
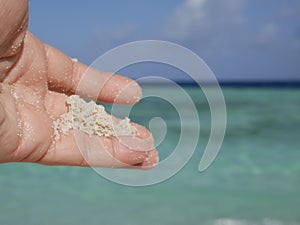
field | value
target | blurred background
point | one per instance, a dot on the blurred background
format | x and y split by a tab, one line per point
239	39
252	46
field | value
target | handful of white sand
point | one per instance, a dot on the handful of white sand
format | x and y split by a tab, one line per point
91	119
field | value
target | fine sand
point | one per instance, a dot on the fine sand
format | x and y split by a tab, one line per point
91	119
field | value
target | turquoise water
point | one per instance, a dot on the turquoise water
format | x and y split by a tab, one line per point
254	180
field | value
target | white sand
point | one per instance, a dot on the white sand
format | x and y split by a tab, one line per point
74	60
91	119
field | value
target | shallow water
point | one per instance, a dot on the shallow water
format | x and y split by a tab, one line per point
254	181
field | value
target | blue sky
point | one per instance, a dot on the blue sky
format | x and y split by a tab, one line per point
239	39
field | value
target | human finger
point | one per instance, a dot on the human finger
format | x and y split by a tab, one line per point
70	76
80	149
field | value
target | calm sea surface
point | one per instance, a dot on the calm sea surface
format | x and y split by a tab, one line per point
255	179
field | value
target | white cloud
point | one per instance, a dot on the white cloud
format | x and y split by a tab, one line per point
238	41
268	34
196	18
195	3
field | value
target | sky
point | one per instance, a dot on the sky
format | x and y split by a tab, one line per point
239	39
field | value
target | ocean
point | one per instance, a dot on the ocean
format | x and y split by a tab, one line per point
255	179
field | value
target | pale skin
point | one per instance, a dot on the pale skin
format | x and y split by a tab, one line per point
35	81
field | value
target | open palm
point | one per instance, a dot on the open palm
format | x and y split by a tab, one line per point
35	79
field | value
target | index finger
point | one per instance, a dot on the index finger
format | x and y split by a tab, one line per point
69	76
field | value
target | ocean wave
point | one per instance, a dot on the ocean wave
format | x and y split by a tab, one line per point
228	221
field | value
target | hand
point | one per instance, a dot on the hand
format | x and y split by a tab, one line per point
35	81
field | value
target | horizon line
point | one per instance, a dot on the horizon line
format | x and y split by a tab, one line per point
244	83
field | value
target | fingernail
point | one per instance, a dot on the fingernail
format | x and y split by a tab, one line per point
136	144
130	94
151	161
